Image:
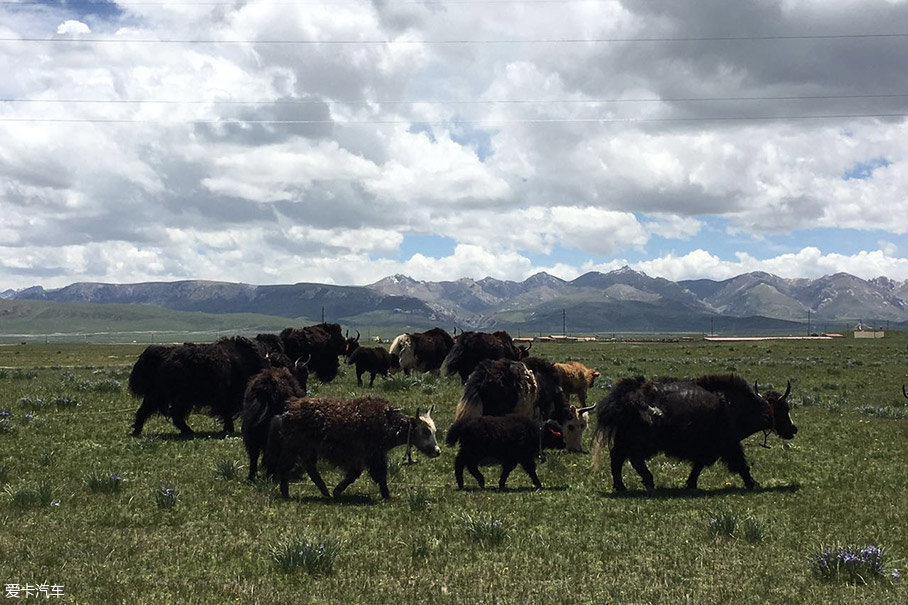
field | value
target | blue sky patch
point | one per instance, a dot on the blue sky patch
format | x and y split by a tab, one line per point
864	170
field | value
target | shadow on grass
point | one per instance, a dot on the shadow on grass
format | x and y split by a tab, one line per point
342	500
182	437
515	490
666	493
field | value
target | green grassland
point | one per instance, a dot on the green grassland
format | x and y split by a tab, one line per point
840	482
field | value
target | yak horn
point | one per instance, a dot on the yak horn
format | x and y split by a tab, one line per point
787	392
904	392
529	345
582	411
296	363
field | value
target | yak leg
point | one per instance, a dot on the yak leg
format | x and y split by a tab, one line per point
359	378
253	451
148	407
458	469
351	476
530	468
379	474
506	468
639	465
617	461
474	470
695	471
228	425
736	462
371	378
179	421
312	471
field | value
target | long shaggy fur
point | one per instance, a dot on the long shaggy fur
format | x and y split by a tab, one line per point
700	421
471	348
496	388
422	351
351	434
322	344
175	380
266	397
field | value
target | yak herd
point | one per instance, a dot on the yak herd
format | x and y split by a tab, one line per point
513	406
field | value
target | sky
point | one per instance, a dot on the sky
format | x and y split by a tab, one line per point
342	141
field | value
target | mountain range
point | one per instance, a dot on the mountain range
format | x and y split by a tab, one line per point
623	300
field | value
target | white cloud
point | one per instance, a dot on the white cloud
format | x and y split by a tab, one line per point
71	26
255	160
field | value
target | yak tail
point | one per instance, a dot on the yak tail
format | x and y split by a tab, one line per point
271	454
470	403
602	437
453	434
451	364
144	373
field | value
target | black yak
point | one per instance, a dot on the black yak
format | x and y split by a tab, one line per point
352	434
507	440
375	360
530	388
322	344
422	351
266	396
173	380
700	420
470	348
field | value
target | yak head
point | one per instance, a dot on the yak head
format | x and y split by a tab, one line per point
350	344
421	434
523	351
575	426
779	411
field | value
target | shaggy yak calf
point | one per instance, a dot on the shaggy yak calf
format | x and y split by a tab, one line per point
508	440
375	360
351	434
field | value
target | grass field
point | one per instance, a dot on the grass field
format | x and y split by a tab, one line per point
84	506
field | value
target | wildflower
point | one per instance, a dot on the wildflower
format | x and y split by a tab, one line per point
5	414
896	575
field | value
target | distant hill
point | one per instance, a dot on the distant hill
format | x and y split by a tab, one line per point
619	301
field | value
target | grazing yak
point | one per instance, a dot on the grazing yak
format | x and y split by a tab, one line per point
352	434
322	344
470	348
266	396
576	378
422	351
173	380
699	420
507	440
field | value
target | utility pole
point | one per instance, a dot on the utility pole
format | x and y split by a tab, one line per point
808	322
323	314
563	322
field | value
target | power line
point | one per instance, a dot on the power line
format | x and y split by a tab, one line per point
293	102
367	42
489	121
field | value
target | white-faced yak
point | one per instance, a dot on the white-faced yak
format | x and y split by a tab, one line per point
351	434
173	380
422	351
700	421
507	440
